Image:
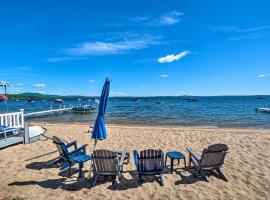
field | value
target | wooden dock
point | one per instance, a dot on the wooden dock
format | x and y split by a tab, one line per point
264	110
11	140
48	112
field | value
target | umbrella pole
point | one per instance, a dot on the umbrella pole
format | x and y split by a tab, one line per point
91	166
95	144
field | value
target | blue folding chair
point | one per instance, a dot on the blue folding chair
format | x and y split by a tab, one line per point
69	158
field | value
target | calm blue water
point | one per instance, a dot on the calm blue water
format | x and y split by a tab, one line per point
228	111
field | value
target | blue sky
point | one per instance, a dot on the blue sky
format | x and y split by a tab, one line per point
194	47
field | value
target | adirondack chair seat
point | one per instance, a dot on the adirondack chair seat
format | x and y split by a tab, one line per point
69	158
149	162
212	159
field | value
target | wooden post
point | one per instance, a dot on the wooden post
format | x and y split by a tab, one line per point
26	133
22	117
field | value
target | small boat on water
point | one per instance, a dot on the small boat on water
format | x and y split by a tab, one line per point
135	99
3	97
191	100
260	98
59	101
83	109
29	99
160	102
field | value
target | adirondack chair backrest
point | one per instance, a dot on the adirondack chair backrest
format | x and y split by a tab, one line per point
60	146
105	161
214	155
151	160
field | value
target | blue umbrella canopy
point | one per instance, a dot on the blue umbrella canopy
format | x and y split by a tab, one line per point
99	130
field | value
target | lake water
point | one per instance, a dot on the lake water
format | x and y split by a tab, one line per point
223	111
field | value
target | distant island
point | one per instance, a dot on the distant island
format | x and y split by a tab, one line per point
44	96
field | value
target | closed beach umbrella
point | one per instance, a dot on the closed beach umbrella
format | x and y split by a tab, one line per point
99	130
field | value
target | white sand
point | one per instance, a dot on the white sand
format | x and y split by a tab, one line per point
26	172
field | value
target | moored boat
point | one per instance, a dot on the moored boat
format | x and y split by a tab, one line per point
191	100
59	101
29	99
3	97
83	109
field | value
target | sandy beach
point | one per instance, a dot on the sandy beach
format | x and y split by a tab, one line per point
27	172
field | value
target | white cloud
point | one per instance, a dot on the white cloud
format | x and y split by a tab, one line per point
24	68
91	81
40	85
106	48
170	18
243	33
42	92
61	59
164	75
246	37
261	75
239	30
118	93
172	57
15	90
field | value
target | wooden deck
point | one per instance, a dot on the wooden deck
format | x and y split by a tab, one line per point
47	112
11	140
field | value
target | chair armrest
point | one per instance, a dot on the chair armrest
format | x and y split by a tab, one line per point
123	155
136	158
73	143
192	154
81	148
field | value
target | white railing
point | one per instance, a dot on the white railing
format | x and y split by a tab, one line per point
14	120
44	112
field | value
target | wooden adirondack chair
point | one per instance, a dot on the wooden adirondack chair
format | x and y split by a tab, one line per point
149	162
77	155
107	163
212	159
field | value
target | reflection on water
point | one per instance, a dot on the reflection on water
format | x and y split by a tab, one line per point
208	111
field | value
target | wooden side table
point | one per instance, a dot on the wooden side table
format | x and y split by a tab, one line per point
175	155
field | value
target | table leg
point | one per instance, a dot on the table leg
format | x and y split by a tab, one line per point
171	165
178	161
90	171
80	169
185	162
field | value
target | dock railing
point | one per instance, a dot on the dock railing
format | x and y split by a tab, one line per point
13	120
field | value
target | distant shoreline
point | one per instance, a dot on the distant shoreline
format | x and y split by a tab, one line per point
23	96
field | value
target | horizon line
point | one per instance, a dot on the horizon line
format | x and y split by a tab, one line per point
144	96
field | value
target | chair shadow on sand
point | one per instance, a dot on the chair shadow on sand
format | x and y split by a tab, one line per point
70	184
193	176
62	183
65	183
134	182
78	184
42	165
